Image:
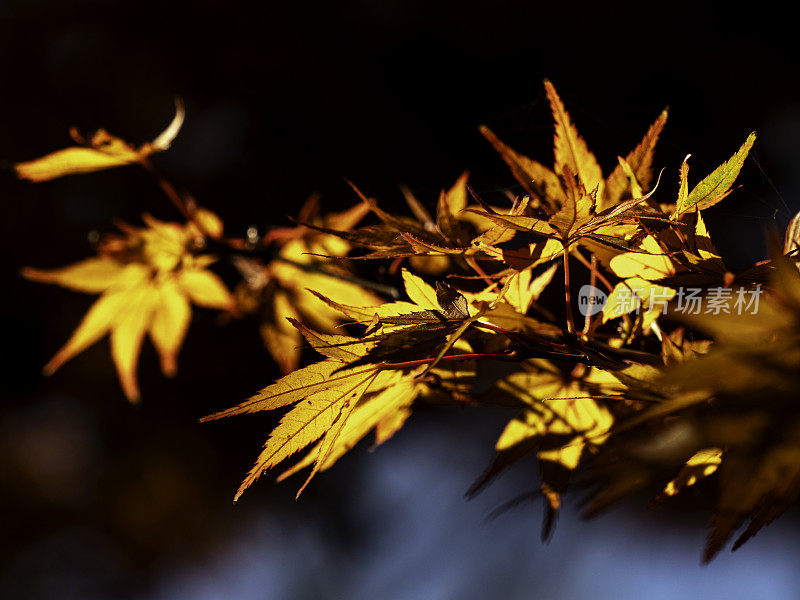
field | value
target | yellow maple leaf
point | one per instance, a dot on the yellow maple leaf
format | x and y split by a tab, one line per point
651	263
639	161
279	290
333	400
102	151
560	418
556	407
147	281
384	411
571	151
716	186
574	159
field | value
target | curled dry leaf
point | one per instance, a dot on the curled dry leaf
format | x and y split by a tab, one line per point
102	151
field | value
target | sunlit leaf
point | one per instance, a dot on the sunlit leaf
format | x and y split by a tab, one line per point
700	465
718	184
570	148
640	161
146	280
103	151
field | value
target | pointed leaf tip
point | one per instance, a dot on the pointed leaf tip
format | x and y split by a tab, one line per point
717	185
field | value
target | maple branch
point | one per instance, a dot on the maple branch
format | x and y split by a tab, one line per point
470	260
515	355
587	321
600	277
169	190
452	339
509	356
237	247
524	337
383	288
567	296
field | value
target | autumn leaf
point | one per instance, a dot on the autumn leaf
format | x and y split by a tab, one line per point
546	186
538	180
102	151
354	390
639	160
524	288
279	291
384	411
312	418
576	222
571	151
717	185
453	302
733	401
635	294
147	281
558	420
325	395
700	465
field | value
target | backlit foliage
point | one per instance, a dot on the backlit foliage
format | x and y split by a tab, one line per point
626	399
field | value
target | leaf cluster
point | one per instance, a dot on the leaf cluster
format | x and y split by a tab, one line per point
634	398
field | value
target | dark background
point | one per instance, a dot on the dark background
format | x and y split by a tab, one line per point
104	500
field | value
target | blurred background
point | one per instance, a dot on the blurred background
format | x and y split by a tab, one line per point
101	499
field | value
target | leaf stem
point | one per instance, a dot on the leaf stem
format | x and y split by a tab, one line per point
168	189
567	295
600	277
470	260
587	322
240	248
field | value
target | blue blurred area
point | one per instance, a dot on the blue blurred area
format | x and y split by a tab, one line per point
104	500
424	541
393	524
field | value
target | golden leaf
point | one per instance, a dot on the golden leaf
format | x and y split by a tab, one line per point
312	418
384	411
717	185
451	204
554	407
420	293
103	151
171	318
93	275
637	294
279	290
326	396
147	280
700	465
538	181
296	385
639	160
651	264
570	149
524	288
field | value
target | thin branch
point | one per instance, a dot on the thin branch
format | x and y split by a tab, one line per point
601	278
587	321
169	190
419	211
451	340
510	356
567	295
470	260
